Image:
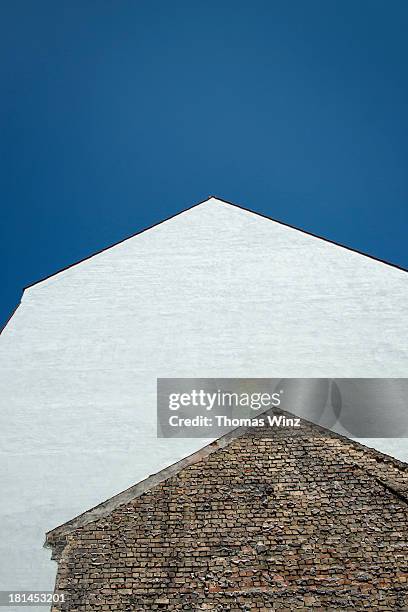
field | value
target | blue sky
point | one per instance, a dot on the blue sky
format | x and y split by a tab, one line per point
115	115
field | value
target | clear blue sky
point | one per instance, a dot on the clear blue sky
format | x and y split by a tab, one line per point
115	115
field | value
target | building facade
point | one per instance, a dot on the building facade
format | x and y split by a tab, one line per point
260	520
216	291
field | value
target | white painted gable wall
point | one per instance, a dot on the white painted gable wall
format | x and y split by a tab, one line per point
214	292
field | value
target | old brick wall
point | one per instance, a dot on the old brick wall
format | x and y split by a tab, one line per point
306	520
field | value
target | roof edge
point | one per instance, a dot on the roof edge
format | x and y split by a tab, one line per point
141	487
223	200
313	235
110	246
240	206
13	312
136	490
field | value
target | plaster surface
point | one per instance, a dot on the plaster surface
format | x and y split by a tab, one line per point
214	292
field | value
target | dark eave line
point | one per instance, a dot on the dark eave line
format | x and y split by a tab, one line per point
383	261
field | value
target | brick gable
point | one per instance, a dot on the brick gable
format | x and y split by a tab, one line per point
298	520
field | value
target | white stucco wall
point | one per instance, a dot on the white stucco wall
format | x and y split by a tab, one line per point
214	292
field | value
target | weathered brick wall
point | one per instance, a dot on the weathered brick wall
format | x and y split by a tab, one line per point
267	523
